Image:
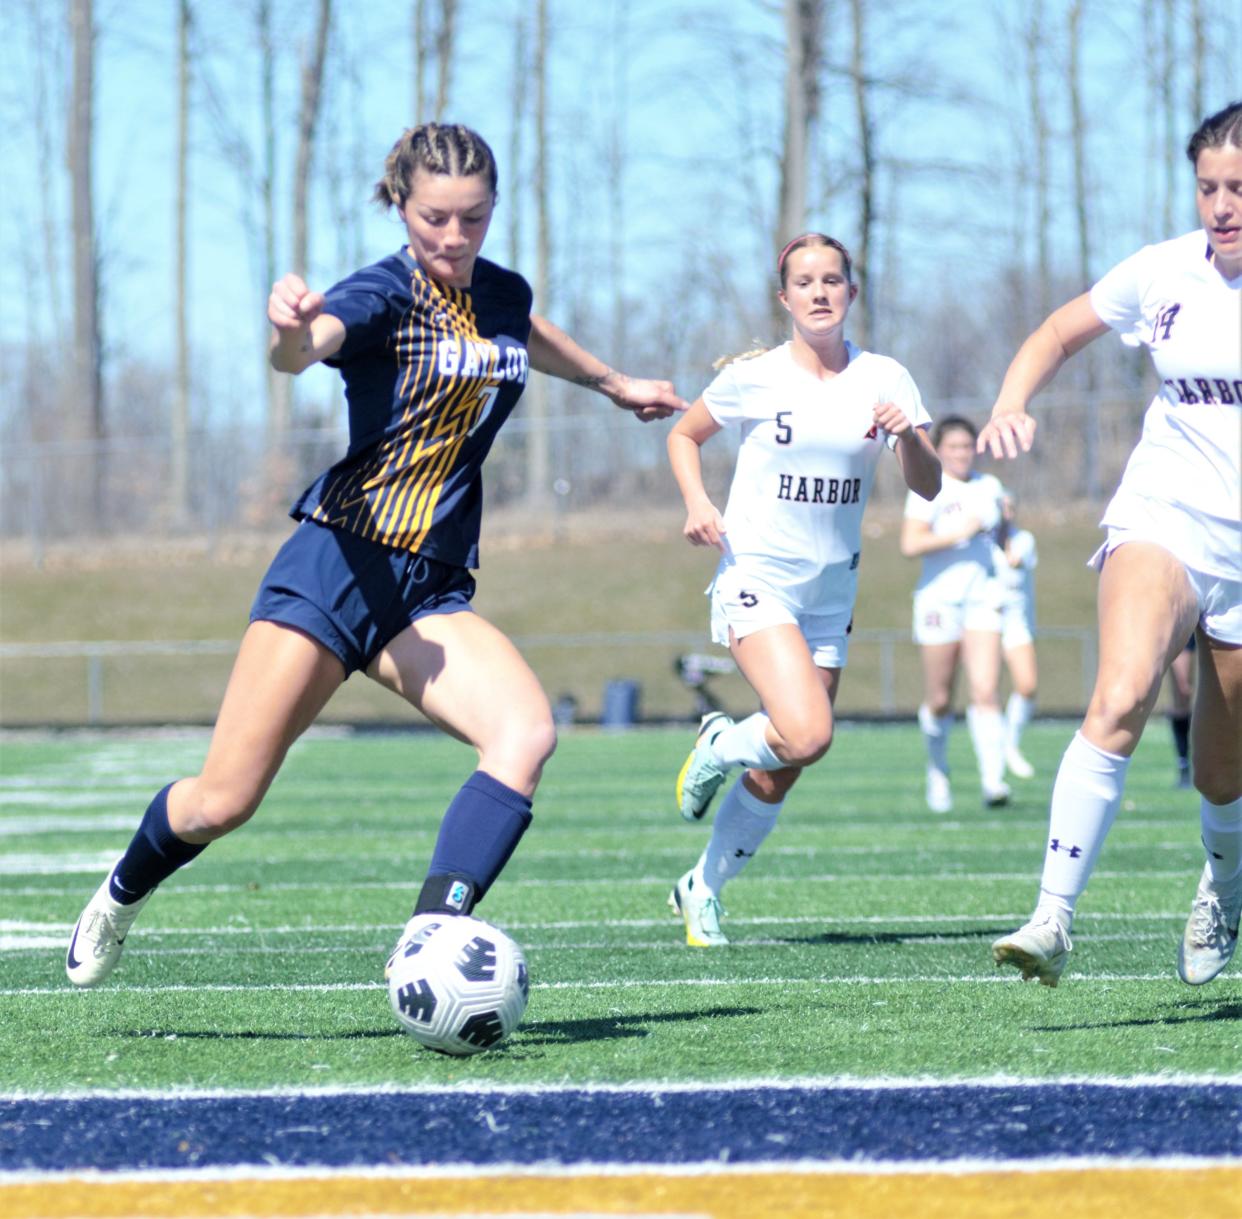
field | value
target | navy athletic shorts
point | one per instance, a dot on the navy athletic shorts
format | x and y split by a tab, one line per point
354	595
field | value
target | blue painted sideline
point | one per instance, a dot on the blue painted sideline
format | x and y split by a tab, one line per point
761	1126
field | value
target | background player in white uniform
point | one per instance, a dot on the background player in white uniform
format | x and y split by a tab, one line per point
1173	560
1016	560
815	415
957	610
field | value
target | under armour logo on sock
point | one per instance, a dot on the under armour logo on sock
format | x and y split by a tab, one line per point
1055	845
740	854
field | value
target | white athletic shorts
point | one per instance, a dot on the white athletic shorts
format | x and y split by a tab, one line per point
747	601
1220	599
1138	518
1017	622
975	606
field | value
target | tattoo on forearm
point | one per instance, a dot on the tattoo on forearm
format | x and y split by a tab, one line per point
594	382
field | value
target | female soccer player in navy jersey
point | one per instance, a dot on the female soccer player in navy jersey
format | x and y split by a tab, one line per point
815	416
1172	562
434	344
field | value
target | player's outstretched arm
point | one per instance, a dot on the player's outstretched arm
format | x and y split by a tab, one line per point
704	525
302	334
1065	331
552	351
920	465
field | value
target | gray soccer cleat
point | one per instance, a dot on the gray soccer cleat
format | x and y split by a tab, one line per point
100	935
1211	932
700	914
1040	950
701	775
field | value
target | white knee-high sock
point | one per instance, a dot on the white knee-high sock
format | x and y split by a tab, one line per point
742	822
936	736
1085	799
987	734
745	744
1017	716
1222	838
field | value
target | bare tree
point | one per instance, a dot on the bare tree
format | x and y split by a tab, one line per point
1033	41
616	153
803	24
538	459
445	37
521	70
313	64
87	370
1082	226
418	29
864	325
180	430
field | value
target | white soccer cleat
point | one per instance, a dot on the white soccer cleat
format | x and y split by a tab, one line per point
997	796
99	936
700	914
701	775
1017	765
1211	932
1040	950
939	794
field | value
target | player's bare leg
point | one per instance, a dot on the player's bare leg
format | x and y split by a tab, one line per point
939	662
981	658
280	681
470	680
1139	632
1211	933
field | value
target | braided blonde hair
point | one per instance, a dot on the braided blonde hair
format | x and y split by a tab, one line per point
436	148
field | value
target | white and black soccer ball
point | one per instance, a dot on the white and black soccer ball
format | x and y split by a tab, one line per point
456	983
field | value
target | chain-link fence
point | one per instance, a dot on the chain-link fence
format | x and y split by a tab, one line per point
599	460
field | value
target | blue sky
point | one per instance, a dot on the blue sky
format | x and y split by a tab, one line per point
697	87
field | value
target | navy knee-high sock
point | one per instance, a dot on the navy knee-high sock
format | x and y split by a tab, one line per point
154	854
481	827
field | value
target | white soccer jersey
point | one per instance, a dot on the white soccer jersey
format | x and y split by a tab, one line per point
807	458
956	570
1169	298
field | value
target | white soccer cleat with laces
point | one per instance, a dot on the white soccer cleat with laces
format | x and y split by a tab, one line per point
99	936
1017	765
1040	950
701	775
701	914
939	795
1211	932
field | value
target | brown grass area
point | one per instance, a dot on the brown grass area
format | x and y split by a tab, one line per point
604	573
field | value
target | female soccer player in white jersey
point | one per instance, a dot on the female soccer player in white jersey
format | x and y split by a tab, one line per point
1172	562
814	415
957	610
434	344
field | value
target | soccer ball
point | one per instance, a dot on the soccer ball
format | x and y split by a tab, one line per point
457	984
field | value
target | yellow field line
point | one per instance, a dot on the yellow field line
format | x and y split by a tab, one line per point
1138	1193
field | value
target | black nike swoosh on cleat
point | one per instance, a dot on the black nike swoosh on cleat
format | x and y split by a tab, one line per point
72	961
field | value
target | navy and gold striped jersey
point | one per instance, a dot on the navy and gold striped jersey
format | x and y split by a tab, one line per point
431	372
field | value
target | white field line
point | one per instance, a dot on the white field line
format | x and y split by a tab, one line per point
15	946
20	865
762	920
705	1168
19	945
989	979
651	1087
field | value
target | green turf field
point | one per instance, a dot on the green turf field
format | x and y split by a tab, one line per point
861	931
